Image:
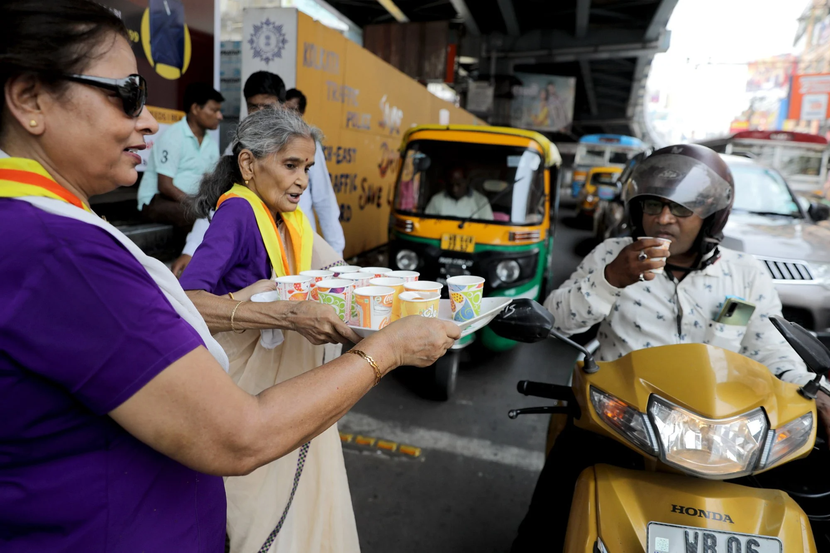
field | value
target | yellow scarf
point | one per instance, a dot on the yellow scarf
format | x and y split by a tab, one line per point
20	177
296	223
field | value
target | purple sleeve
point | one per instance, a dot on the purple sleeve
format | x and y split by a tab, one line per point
82	312
223	247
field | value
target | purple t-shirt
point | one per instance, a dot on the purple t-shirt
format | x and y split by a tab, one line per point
232	255
82	328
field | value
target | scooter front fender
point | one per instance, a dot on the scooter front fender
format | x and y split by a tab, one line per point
616	505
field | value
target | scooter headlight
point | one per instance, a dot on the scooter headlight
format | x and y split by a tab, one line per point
716	449
789	438
625	420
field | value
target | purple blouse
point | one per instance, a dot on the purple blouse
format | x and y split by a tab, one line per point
82	328
232	255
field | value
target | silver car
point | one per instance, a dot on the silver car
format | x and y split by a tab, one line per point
781	230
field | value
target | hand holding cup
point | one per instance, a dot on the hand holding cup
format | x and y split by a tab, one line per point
638	262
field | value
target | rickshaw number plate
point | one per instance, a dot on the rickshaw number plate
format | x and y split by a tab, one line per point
458	243
670	538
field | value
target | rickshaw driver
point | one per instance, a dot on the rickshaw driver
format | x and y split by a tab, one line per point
459	200
683	193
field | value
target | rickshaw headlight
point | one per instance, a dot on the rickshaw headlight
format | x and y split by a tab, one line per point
508	271
407	260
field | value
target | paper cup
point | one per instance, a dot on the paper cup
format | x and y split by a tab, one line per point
317	276
265	297
294	288
667	243
343	269
415	303
397	285
465	296
407	276
377	272
338	294
358	280
424	287
374	306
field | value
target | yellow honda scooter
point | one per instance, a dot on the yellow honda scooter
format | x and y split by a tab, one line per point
698	415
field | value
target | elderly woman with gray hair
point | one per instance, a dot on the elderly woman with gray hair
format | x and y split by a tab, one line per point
301	502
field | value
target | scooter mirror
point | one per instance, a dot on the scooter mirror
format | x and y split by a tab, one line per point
523	320
807	346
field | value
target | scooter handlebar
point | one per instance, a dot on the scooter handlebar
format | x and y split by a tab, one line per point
541	389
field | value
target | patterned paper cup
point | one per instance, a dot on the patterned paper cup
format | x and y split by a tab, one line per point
343	269
397	285
338	294
415	303
317	276
374	306
465	296
358	280
377	272
407	276
294	288
424	287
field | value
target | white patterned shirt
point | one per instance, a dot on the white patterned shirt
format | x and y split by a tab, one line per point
664	311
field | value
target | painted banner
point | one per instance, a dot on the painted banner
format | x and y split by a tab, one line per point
361	103
543	102
173	42
808	97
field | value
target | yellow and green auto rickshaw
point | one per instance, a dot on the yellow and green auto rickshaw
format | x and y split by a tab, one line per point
476	200
588	195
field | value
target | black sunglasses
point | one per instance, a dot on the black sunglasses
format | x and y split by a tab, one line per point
655	207
132	90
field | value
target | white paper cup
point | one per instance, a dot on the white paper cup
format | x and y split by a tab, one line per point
337	293
343	269
265	297
395	283
358	279
407	276
317	276
377	272
667	243
374	306
295	287
424	287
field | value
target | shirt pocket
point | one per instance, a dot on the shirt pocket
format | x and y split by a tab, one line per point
724	336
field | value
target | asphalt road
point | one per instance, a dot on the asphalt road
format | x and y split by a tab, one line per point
471	484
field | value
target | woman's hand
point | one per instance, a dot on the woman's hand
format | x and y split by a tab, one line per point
416	341
318	323
626	269
264	285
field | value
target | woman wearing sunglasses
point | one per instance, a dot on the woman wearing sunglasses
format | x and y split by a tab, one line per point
117	416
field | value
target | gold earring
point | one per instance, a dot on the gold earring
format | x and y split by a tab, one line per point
33	123
246	183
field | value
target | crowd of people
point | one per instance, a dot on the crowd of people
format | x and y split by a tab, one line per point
146	409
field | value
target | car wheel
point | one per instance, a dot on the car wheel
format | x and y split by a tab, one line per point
444	375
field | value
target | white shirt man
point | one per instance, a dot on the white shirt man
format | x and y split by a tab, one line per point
664	311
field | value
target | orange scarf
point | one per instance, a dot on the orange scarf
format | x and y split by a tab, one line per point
20	177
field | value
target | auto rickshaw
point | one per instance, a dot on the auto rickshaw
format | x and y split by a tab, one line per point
476	200
588	196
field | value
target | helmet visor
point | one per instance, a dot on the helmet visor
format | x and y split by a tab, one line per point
680	179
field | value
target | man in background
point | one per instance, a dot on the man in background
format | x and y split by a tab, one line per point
459	200
179	158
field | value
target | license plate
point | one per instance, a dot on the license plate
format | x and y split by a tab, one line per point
668	538
458	243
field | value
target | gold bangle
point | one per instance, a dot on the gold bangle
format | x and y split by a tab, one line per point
371	361
230	295
233	313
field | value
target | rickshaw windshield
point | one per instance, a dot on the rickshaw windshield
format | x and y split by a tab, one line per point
479	182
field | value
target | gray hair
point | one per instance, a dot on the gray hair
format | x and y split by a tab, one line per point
265	132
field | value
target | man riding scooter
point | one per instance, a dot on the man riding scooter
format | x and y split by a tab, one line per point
647	292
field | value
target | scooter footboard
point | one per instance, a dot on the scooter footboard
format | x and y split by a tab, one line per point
617	510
